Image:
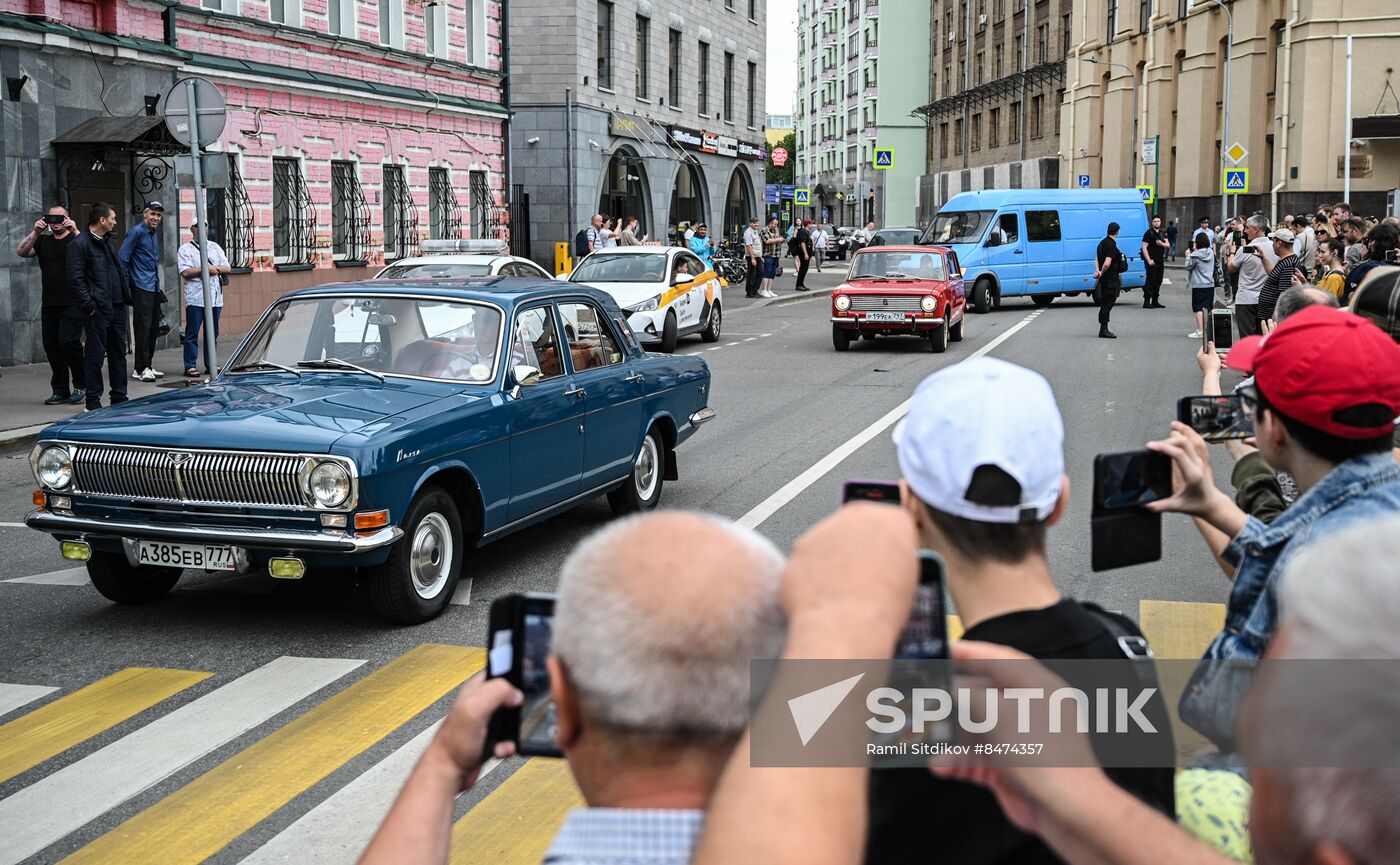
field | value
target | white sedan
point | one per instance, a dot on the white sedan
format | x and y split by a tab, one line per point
448	258
666	291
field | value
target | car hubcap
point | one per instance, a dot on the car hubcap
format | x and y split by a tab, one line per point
644	473
714	320
430	557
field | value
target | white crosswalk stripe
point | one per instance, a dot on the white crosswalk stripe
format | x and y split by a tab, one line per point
68	577
56	805
14	696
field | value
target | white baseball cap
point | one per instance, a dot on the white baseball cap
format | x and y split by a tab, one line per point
973	425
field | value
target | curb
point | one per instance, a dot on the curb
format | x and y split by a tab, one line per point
784	300
21	435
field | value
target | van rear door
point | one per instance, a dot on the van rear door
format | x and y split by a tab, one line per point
1005	250
1045	257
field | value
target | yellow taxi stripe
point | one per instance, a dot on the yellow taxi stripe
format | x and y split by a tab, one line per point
515	823
1179	629
676	291
201	818
49	730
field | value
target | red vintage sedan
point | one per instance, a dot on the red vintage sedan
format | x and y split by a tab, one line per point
900	291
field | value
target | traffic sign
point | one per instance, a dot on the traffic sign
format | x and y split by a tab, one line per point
780	156
802	196
210	112
884	157
788	191
1083	181
1148	193
1236	152
772	193
1236	180
1149	151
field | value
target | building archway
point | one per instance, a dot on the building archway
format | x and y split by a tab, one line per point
688	202
625	190
738	202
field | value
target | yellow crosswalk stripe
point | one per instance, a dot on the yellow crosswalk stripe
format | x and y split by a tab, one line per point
201	818
1180	629
955	627
516	822
50	730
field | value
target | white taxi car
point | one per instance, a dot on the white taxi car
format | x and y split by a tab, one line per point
442	258
666	291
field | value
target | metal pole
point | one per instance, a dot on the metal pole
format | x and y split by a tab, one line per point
201	219
569	163
1225	120
1157	177
1346	134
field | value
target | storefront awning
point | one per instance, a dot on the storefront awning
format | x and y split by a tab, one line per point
142	134
1376	126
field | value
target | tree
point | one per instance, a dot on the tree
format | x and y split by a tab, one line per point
783	174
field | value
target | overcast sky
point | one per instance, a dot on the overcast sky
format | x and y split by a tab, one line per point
782	55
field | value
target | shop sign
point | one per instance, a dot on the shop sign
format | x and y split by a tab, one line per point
749	151
709	142
726	145
686	138
626	127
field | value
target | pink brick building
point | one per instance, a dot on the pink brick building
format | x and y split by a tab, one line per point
355	129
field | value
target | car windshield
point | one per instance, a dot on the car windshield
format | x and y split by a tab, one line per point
958	226
423	337
433	270
632	267
897	265
897	236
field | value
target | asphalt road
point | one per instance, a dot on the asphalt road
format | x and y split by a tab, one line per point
786	401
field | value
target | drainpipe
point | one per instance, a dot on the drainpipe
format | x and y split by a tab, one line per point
1147	96
569	158
967	85
1287	113
506	125
1025	64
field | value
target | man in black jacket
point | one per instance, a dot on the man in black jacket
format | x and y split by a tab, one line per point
104	294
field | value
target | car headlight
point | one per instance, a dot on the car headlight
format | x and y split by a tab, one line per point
842	302
330	485
54	467
646	305
929	303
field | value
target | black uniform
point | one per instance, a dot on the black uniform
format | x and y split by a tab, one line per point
62	318
103	292
804	246
1109	281
1152	289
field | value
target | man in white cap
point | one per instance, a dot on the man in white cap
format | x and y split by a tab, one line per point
981	451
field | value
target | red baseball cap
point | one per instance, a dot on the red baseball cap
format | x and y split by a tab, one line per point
1329	369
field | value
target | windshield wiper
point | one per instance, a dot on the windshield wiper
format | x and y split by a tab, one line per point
256	364
337	363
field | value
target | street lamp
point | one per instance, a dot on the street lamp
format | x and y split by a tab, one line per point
1225	104
1132	76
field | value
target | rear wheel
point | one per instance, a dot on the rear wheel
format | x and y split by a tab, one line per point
955	334
840	338
938	339
982	297
711	331
670	333
1042	300
417	581
120	581
642	491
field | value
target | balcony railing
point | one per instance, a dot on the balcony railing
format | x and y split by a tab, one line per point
872	51
872	10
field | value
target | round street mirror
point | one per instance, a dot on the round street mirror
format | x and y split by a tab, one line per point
210	112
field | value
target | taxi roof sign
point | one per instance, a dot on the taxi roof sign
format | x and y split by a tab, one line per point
475	246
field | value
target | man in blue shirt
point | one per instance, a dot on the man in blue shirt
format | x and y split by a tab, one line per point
702	246
140	257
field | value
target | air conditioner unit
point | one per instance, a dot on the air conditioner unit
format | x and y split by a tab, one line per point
952	36
982	20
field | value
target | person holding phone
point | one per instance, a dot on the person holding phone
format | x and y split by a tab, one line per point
60	315
981	453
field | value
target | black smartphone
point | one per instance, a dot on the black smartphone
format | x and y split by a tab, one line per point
1131	479
1205	333
920	664
1222	330
925	634
871	491
54	218
520	631
1216	418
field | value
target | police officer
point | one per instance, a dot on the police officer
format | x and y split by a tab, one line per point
1154	255
1106	272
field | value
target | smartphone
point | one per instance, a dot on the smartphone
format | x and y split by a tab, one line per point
1216	418
519	634
1131	479
871	491
1206	335
1222	330
53	218
925	634
920	662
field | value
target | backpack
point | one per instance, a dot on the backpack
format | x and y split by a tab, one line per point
1120	263
581	244
794	247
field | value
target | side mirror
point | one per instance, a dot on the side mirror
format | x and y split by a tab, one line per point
525	376
994	239
682	279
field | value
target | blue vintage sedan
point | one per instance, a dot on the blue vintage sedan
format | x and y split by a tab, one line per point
387	426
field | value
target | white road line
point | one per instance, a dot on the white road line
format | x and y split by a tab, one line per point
49	809
751	339
12	525
14	696
463	595
69	577
337	830
793	488
716	348
730	343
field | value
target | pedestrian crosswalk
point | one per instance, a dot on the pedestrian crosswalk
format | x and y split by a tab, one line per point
324	713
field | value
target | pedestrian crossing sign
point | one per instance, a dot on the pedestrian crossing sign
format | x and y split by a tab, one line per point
802	196
1237	180
884	157
1149	194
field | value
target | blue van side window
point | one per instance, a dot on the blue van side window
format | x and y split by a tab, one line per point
1042	225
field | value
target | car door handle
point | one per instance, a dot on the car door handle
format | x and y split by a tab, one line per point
575	391
1020	252
635	377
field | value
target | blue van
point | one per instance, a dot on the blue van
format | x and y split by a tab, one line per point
1037	242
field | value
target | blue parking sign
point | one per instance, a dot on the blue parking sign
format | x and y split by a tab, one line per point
1083	181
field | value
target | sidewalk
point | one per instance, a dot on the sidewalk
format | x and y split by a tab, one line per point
23	390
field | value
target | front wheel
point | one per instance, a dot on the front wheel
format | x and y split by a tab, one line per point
642	491
840	338
938	339
118	580
417	581
670	333
955	333
982	297
711	331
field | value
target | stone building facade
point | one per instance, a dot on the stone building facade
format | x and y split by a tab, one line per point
646	108
354	130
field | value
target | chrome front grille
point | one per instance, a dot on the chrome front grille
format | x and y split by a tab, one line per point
885	302
190	476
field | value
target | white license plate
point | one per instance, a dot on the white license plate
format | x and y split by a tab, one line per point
209	557
885	316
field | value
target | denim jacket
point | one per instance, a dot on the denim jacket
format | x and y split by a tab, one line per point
1355	491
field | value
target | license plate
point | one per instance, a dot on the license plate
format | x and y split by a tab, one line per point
885	316
209	557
